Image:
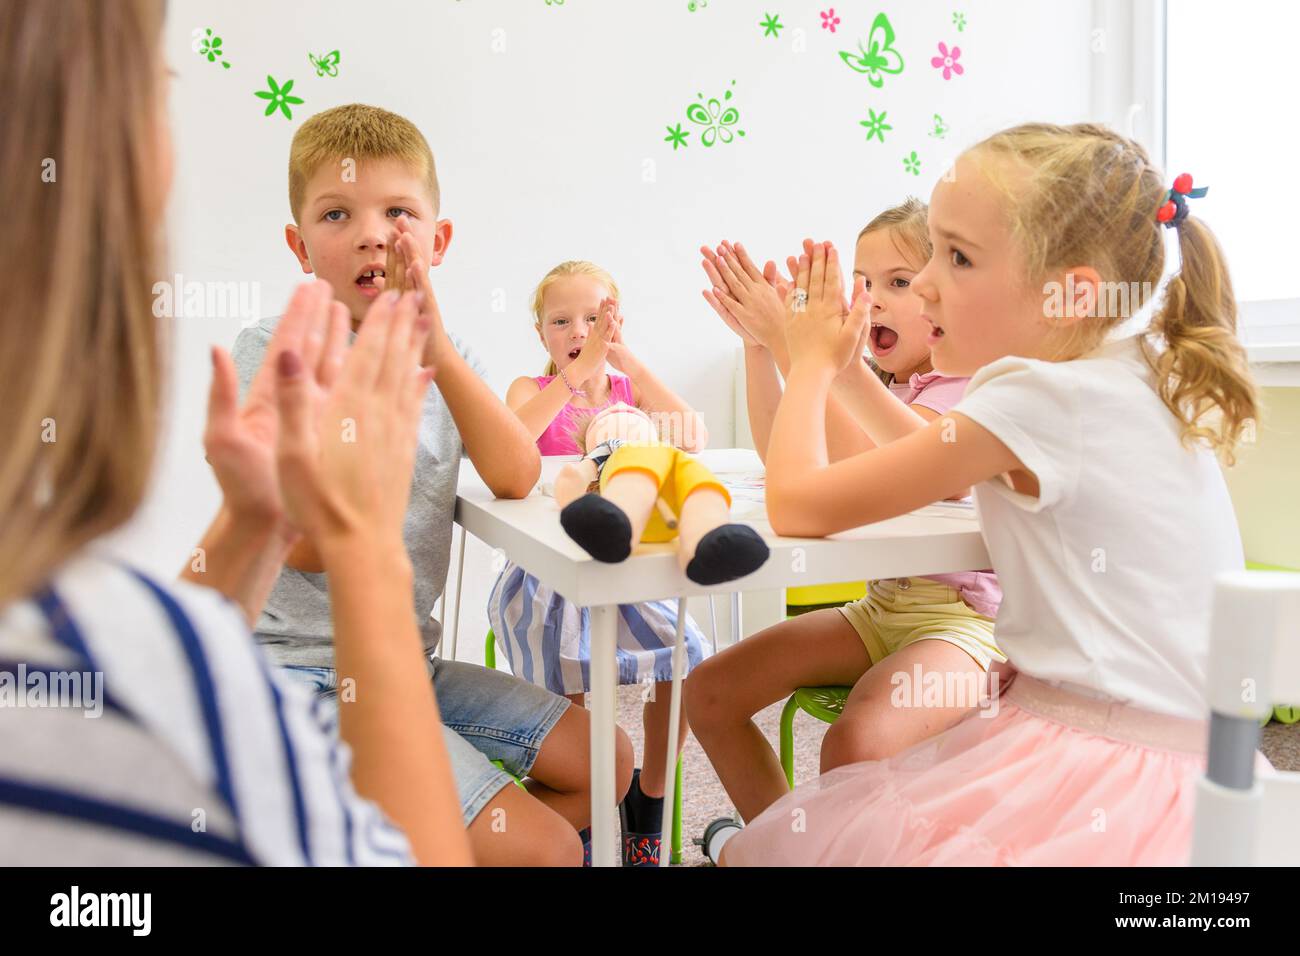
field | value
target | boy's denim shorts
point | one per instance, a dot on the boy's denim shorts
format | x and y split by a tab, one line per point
486	715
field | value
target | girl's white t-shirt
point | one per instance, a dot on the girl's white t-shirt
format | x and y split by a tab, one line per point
1107	577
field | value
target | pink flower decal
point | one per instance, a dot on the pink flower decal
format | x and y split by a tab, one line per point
947	61
829	20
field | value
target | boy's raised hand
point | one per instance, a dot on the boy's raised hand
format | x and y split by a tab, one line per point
345	464
825	330
240	441
408	265
395	278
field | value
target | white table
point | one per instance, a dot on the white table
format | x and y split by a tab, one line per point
937	539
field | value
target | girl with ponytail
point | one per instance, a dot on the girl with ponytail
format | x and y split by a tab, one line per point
1091	449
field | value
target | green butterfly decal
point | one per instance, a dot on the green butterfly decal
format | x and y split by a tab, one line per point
325	63
878	56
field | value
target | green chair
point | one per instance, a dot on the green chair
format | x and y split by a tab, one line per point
675	846
824	703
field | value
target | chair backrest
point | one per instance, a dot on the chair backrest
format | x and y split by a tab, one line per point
1242	820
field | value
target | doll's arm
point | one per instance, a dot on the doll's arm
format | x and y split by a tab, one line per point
572	481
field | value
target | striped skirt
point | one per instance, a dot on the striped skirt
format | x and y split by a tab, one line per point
547	640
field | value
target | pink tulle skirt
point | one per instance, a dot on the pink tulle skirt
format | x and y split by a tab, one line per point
1052	779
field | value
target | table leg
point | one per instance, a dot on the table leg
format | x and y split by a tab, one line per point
460	583
604	681
674	722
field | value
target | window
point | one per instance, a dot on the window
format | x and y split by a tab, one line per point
1229	121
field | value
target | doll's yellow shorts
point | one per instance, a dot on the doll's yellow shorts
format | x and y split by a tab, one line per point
676	473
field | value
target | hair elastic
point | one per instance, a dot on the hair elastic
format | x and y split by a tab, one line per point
1174	210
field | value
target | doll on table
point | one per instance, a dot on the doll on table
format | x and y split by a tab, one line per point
652	492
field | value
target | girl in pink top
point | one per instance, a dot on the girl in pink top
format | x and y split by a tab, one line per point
546	639
939	624
558	439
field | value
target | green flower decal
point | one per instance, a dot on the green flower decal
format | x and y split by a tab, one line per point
279	97
912	164
716	118
959	21
772	25
210	46
876	125
676	136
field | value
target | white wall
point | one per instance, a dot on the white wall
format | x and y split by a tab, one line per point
548	125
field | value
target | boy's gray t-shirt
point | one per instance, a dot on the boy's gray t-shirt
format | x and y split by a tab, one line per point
295	628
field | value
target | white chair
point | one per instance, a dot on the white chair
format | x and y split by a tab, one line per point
1242	819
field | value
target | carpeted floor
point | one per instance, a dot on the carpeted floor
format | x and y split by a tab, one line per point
704	799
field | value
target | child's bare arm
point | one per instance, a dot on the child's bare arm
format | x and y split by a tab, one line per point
762	394
756	301
504	454
809	497
535	407
875	410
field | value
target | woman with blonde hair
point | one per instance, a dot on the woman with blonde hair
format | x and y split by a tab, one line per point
197	753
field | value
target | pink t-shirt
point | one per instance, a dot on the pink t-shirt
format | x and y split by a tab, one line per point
558	438
979	589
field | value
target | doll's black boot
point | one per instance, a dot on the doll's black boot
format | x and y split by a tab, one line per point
599	526
727	552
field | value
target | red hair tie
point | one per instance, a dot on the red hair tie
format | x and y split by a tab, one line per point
1174	210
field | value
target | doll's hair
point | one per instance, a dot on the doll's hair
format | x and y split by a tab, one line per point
583	420
571	267
909	228
1083	194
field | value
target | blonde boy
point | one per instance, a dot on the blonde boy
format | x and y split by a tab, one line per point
354	172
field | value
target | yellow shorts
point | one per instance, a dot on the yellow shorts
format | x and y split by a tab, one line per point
900	611
676	473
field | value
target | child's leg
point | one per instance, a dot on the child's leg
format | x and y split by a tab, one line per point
537	736
561	775
516	829
725	692
874	725
654	718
